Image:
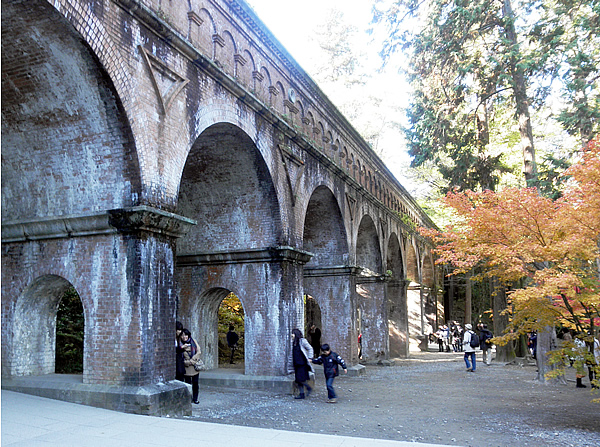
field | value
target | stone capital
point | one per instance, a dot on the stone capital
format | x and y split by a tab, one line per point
257	255
332	270
140	218
152	220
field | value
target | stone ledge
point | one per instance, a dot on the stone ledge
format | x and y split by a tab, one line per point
162	399
137	218
277	384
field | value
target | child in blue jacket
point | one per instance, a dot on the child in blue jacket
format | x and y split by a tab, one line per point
330	361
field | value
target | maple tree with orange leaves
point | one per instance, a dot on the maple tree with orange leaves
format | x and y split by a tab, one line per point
547	251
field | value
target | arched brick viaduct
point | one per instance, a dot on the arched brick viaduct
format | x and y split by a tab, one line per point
157	155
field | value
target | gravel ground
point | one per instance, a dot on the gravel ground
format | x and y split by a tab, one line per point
429	398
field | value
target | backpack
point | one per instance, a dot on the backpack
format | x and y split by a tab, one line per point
474	340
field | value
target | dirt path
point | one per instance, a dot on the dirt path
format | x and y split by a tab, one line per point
428	398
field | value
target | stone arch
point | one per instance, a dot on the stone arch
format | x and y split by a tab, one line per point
201	29
219	113
368	250
225	53
428	293
428	271
246	68
226	182
227	188
33	327
300	108
67	149
326	276
281	92
372	306
321	139
324	232
335	149
201	318
346	158
412	263
415	304
264	89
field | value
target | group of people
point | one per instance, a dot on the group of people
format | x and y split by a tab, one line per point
581	355
303	357
471	341
453	338
189	362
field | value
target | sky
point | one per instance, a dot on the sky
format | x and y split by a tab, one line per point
294	24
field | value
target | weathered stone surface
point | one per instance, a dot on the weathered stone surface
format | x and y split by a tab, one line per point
124	123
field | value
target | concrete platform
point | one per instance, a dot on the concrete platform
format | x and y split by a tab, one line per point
31	421
171	398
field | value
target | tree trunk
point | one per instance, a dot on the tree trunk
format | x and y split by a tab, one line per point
520	96
546	341
468	298
504	353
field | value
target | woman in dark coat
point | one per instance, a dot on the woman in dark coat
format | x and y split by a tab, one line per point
180	367
302	354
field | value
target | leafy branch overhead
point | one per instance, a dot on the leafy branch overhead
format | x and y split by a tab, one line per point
479	66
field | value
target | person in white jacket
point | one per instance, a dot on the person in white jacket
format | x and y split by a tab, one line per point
469	350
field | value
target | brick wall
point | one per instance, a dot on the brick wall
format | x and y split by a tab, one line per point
193	108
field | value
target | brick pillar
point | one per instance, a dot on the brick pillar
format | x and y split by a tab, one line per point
372	301
145	309
398	318
268	282
334	290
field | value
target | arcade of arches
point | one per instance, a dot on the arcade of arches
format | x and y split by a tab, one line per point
143	172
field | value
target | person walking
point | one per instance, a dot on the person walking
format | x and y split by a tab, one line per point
440	339
232	339
301	366
485	335
330	361
469	350
192	362
446	338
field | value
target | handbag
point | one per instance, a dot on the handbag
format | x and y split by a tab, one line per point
199	366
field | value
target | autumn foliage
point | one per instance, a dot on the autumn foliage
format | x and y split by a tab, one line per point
546	251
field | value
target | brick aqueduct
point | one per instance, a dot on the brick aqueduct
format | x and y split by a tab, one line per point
159	154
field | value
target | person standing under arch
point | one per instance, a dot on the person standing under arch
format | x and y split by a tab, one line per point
314	334
232	339
192	361
179	365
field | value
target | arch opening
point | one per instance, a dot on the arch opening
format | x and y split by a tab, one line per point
227	188
231	332
66	142
34	328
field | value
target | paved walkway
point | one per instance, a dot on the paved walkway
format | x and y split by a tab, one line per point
35	421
